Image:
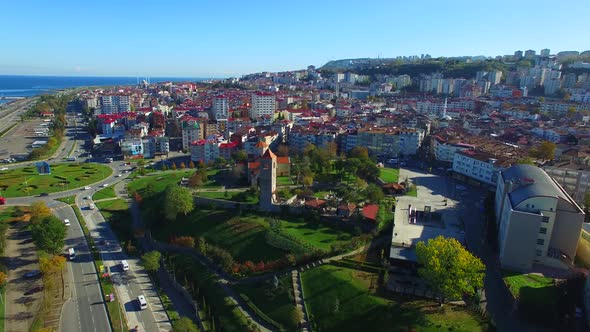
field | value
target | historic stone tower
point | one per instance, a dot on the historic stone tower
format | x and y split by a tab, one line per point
268	180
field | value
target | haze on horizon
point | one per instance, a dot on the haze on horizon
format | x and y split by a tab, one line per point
232	38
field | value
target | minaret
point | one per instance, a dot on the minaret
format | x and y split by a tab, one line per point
268	180
445	109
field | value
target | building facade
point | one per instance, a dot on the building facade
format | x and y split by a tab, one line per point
263	104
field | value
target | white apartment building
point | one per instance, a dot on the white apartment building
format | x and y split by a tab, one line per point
204	150
113	104
220	107
478	165
191	131
444	151
538	222
410	141
263	104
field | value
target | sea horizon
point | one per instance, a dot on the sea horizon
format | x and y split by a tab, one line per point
34	85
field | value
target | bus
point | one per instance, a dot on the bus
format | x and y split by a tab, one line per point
71	253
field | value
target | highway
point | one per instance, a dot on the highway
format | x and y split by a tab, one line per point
85	310
10	114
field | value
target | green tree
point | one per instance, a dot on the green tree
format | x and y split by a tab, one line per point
184	324
177	200
525	160
359	152
545	150
173	167
307	180
239	156
191	164
449	269
49	234
39	211
374	193
151	260
571	111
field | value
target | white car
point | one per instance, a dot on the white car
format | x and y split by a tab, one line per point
67	222
87	188
105	185
90	206
119	175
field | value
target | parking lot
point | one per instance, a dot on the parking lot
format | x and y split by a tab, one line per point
18	140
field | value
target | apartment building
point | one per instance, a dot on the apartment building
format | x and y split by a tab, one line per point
205	151
538	222
220	107
263	104
480	166
191	131
114	104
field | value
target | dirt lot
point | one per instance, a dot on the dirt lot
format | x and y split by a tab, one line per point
19	139
21	257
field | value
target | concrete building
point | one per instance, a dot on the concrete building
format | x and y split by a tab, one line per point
268	180
410	141
113	104
205	151
538	222
191	131
220	107
545	52
263	104
479	166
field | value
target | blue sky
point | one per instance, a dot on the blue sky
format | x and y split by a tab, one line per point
231	38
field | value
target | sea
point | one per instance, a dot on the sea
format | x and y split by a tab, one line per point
28	86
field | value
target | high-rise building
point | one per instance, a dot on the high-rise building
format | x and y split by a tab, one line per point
518	55
113	104
545	52
530	54
263	103
220	107
495	77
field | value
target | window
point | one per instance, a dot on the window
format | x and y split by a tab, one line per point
540	242
543	230
545	219
539	252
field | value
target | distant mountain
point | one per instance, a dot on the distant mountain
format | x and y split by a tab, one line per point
348	64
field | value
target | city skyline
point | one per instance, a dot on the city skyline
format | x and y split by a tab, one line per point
210	40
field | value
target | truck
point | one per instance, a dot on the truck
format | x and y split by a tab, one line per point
2	200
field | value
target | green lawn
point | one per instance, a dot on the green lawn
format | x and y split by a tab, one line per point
236	196
26	182
413	191
276	303
389	175
321	194
318	235
159	180
531	288
284	181
68	200
108	192
342	299
116	212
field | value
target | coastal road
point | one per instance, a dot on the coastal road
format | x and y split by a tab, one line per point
85	311
130	284
10	114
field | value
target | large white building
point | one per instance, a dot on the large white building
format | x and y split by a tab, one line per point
113	104
220	107
410	140
263	104
205	151
480	166
191	131
538	222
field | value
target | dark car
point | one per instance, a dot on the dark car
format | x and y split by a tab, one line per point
32	274
44	194
34	290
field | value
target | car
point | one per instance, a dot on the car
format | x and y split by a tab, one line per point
32	274
125	265
90	206
86	197
44	194
119	175
105	185
34	290
142	302
67	222
87	188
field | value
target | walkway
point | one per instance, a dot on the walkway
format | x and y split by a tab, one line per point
299	301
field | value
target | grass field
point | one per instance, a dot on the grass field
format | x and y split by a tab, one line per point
276	303
244	236
26	182
531	288
342	299
68	200
108	192
284	181
159	180
389	175
413	191
236	196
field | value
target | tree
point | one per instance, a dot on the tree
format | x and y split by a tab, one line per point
307	180
39	211
332	149
239	156
3	279
359	152
49	234
151	260
177	200
525	160
374	193
545	150
184	324
182	165
449	269
173	167
191	164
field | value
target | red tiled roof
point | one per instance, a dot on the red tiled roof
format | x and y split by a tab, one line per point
315	203
268	155
282	160
370	211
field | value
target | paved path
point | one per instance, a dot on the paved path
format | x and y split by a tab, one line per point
21	257
299	301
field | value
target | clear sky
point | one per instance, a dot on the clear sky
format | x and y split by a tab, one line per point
230	38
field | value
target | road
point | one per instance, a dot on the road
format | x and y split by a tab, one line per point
10	114
85	311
